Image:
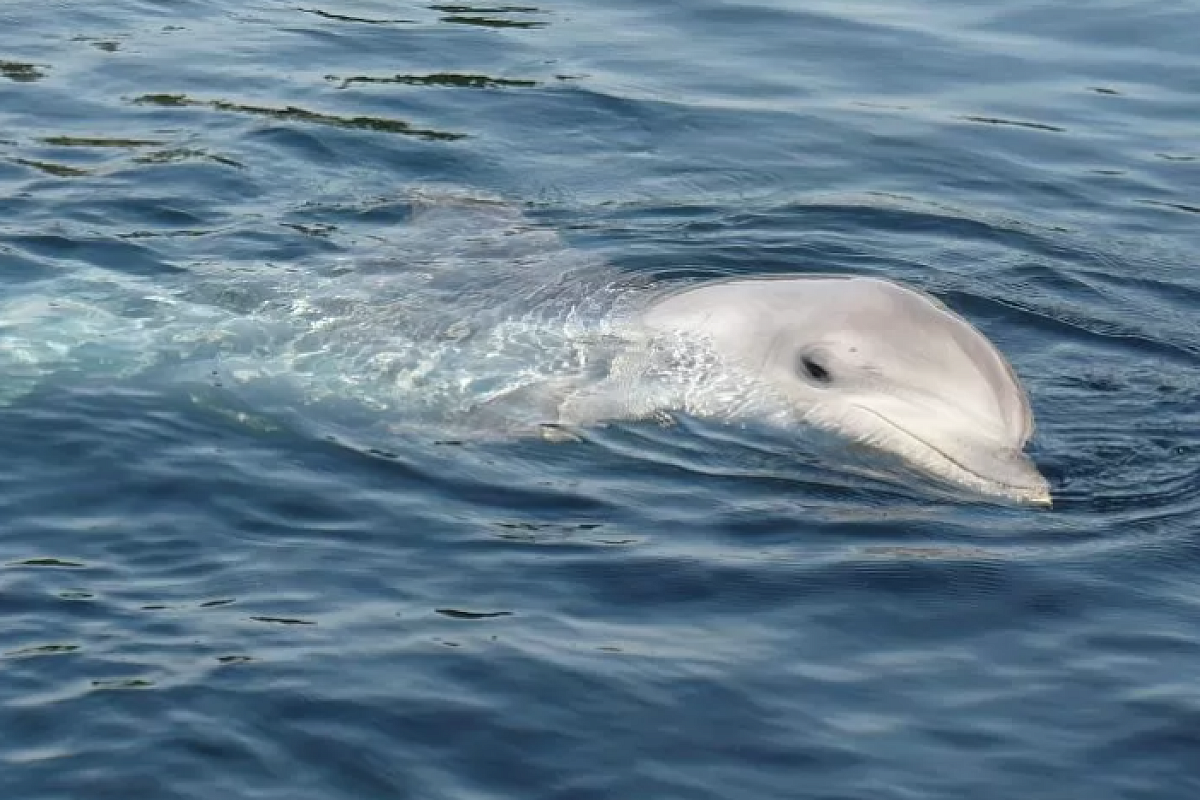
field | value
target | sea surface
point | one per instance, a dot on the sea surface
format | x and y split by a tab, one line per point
247	250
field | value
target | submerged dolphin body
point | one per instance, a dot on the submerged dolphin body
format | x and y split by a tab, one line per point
869	360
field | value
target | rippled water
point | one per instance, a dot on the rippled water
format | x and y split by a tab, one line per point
233	567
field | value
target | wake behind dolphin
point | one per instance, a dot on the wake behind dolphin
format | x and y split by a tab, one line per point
470	317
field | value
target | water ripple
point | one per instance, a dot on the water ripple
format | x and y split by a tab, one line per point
220	580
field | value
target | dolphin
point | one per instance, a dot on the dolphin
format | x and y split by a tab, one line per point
474	320
876	363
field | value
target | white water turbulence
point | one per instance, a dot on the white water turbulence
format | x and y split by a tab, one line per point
467	320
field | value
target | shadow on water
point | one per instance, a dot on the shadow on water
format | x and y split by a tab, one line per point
295	114
21	72
442	79
50	168
97	141
363	20
491	16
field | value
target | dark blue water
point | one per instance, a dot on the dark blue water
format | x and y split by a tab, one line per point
262	588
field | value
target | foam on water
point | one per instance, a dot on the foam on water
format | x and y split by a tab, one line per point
465	303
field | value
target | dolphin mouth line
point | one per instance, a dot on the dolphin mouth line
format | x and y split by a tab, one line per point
1033	494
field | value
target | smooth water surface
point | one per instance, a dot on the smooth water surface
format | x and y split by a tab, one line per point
255	257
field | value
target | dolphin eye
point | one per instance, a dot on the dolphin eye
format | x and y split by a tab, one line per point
814	370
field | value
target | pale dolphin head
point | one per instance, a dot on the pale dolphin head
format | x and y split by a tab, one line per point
880	364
